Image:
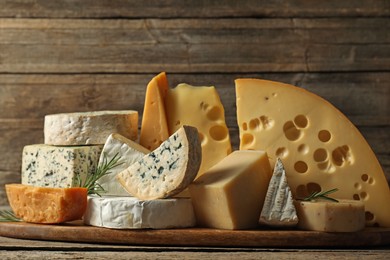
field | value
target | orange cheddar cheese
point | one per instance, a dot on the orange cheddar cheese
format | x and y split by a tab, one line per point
154	128
46	205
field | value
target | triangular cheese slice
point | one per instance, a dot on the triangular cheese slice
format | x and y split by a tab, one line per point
320	148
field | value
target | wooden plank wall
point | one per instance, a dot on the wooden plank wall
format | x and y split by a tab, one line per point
67	56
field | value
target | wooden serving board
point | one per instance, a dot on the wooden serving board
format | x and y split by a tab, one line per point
77	232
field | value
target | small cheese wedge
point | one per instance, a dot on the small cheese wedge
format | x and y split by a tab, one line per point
46	205
154	128
321	215
320	148
88	128
132	213
202	108
278	209
128	151
230	194
166	171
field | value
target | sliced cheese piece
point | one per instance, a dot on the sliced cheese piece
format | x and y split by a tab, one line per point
320	148
87	128
154	128
321	215
128	151
167	170
230	194
278	209
200	107
58	166
132	213
46	205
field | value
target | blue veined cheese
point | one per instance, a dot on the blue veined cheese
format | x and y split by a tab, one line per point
128	151
278	208
58	166
166	171
88	128
132	213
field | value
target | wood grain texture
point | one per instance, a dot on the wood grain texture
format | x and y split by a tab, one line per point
187	8
193	45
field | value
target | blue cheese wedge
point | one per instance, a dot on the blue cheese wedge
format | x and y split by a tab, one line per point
128	151
166	171
88	128
132	213
58	166
278	209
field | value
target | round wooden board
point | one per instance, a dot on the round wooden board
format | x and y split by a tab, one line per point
77	232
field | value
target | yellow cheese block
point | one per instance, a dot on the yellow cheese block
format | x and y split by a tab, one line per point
200	107
154	128
322	215
319	147
230	195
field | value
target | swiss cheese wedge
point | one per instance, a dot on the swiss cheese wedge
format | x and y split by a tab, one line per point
46	205
320	148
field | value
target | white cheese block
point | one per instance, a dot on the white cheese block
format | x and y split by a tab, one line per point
57	166
278	209
132	213
89	127
128	151
166	171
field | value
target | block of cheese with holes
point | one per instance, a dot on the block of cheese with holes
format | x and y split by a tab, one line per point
154	128
46	205
200	107
320	148
88	128
128	152
230	195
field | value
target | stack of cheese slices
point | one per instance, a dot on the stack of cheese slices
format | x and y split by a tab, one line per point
181	171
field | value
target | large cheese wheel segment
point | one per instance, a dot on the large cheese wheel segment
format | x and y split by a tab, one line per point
230	195
200	107
320	148
46	205
154	128
87	128
166	171
132	213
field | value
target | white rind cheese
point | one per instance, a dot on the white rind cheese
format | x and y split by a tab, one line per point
278	209
166	171
132	213
57	166
129	152
89	127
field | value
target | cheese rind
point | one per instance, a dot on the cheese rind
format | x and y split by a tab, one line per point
230	194
202	108
88	128
166	171
278	209
128	151
342	216
154	128
58	166
46	205
132	213
320	148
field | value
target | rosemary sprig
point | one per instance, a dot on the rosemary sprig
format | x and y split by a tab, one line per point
8	216
103	169
321	195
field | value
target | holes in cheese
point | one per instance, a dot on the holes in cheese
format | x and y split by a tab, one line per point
317	143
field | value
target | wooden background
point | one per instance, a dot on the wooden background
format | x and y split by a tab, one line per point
67	56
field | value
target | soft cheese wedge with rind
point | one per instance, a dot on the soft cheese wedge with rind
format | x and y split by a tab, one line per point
132	213
167	170
127	152
46	205
320	148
